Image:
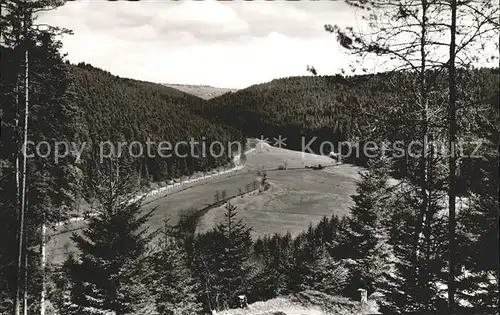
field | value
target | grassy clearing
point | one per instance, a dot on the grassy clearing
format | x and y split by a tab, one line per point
192	196
297	197
295	200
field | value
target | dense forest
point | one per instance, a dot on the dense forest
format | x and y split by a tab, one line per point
117	109
353	110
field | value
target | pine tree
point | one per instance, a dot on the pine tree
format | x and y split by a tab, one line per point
413	286
274	255
327	274
172	282
205	256
478	223
364	220
365	239
235	242
106	275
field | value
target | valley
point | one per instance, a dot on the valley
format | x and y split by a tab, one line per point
297	197
308	189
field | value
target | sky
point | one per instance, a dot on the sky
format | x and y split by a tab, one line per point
231	44
223	44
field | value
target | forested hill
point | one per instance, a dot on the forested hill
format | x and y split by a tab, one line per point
336	107
119	109
294	106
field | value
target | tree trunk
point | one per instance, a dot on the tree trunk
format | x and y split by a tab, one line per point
21	245
146	171
43	263
452	157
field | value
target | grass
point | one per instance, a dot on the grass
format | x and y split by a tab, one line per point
202	91
295	200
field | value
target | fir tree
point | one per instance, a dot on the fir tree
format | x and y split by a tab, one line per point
274	255
328	275
222	261
478	222
364	219
412	286
206	257
172	282
236	243
365	238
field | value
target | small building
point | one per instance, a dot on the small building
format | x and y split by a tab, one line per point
243	301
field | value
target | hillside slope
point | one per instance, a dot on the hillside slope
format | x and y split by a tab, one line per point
124	110
297	106
331	107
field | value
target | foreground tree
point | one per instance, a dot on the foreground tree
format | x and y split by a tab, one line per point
236	243
222	259
33	88
366	240
478	222
172	283
107	274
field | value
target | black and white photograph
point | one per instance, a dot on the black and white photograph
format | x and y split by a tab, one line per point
231	157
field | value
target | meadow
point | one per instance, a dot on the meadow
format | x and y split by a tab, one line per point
297	197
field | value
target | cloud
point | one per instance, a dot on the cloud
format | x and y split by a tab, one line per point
226	44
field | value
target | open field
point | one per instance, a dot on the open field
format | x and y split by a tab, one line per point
297	198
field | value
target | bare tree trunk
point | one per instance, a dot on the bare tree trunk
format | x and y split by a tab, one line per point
17	307
146	170
18	175
140	174
21	245
452	157
25	276
43	263
18	166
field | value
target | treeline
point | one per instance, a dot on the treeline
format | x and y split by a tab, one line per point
331	107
